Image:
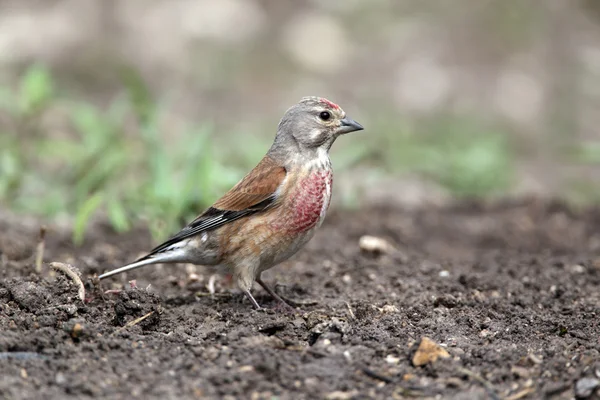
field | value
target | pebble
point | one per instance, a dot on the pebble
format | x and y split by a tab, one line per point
389	309
577	269
585	387
390	359
60	378
375	245
428	352
446	300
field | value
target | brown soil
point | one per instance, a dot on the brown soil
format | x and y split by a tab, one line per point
511	291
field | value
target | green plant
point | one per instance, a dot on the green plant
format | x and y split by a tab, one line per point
97	166
462	154
467	158
115	163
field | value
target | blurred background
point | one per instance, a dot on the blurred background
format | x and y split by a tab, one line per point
145	111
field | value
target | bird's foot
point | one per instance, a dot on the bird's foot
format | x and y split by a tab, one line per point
286	308
252	300
282	304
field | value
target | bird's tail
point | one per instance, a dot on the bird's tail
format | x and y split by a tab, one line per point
129	267
173	256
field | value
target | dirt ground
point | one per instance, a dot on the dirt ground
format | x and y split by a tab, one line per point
509	290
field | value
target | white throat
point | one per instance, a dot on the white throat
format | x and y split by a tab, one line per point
322	159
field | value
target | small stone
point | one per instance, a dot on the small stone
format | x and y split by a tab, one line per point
408	377
485	333
312	381
388	309
77	330
60	378
69	309
446	300
347	356
585	387
24	374
346	279
375	245
390	359
577	269
339	395
444	274
428	352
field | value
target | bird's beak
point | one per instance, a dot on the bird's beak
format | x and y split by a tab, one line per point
349	125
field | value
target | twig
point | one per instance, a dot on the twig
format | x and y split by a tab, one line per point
69	270
350	310
521	394
134	322
39	251
375	375
488	386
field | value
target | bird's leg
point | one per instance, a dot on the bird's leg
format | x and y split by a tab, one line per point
274	295
249	295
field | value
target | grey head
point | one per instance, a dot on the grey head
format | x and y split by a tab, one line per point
310	127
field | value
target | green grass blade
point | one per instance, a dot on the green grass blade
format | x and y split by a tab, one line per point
84	214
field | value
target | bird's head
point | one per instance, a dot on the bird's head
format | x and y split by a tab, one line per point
314	123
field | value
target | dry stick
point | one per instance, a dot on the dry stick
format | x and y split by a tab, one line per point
375	375
521	394
39	252
488	386
68	270
134	322
350	310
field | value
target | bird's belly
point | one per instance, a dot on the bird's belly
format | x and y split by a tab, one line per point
292	246
298	222
280	233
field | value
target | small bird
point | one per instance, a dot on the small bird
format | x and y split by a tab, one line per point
273	211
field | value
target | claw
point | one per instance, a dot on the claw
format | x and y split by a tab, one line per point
249	295
282	303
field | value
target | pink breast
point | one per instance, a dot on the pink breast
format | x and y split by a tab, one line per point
310	201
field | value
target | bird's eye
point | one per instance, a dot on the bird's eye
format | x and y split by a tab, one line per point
325	115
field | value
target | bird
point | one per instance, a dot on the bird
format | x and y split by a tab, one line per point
273	211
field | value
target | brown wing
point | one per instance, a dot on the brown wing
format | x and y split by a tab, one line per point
260	184
254	193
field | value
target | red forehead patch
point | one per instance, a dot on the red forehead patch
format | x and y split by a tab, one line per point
329	103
